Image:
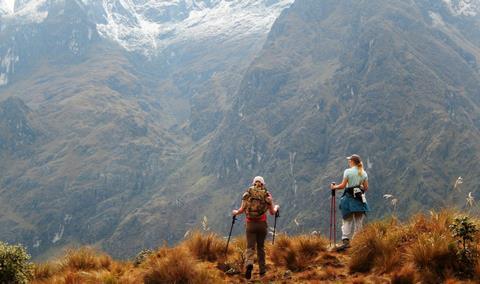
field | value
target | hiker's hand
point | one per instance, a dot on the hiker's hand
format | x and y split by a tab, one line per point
269	199
332	186
276	208
234	212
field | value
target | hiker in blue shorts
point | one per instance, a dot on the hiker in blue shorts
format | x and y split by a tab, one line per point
353	203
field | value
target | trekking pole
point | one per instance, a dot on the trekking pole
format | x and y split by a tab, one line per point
333	217
277	214
234	218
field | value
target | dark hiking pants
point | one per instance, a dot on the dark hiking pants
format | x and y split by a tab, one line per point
256	234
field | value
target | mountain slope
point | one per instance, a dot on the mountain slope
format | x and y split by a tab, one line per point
105	127
395	81
105	143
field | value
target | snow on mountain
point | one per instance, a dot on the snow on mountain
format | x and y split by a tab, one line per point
463	7
32	11
146	25
7	6
7	66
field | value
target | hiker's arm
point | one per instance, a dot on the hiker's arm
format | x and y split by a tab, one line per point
272	208
239	210
365	185
339	186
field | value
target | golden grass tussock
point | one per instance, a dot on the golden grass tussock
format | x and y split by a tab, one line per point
406	275
177	266
358	280
236	254
45	270
422	250
328	273
364	249
206	247
381	246
425	245
85	258
437	222
298	252
72	278
434	257
84	265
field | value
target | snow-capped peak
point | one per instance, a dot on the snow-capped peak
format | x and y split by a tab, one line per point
463	7
28	10
150	25
7	6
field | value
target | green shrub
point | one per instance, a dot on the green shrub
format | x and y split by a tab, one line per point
14	264
141	256
464	230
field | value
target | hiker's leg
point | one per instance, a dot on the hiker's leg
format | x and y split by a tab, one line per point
359	217
261	235
251	241
347	227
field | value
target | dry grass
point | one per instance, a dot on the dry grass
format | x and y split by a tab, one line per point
424	246
381	247
406	275
377	247
434	257
85	259
177	266
328	273
366	247
419	251
84	265
358	280
45	270
208	247
297	253
236	255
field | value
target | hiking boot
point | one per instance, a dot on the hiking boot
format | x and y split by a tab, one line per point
262	272
344	246
248	272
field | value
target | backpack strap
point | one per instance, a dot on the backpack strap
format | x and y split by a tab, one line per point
268	195
245	196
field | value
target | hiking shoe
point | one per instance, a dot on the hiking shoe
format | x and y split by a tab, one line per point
262	273
248	272
232	271
344	246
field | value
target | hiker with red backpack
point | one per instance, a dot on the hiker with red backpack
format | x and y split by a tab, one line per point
256	201
353	203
